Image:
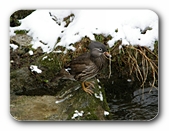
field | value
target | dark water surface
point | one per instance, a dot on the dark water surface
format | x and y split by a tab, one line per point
140	107
128	103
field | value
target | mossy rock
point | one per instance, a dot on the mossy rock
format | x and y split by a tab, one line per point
73	100
65	105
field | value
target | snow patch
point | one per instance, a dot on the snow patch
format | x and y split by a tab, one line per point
77	113
100	96
31	52
13	46
35	69
48	26
129	80
45	57
106	113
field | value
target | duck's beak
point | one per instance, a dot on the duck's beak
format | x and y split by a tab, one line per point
107	54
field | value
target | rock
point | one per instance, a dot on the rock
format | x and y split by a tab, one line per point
32	107
70	103
20	79
21	39
25	82
79	105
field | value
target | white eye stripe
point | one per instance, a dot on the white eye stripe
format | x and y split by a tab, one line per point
100	49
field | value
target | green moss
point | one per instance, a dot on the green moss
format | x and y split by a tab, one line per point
99	37
13	75
92	107
52	62
102	38
21	31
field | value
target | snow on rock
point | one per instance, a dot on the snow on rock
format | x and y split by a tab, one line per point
48	25
45	57
106	113
99	96
35	68
13	46
31	52
77	113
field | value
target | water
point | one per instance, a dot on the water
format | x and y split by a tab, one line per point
134	105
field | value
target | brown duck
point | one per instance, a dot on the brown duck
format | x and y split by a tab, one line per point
87	65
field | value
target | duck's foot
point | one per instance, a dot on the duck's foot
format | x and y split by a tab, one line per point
86	85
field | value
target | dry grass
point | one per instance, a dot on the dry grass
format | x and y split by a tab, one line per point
140	60
146	64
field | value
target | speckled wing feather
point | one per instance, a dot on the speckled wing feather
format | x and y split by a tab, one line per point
79	64
82	67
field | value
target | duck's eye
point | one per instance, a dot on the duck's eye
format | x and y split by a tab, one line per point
100	49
